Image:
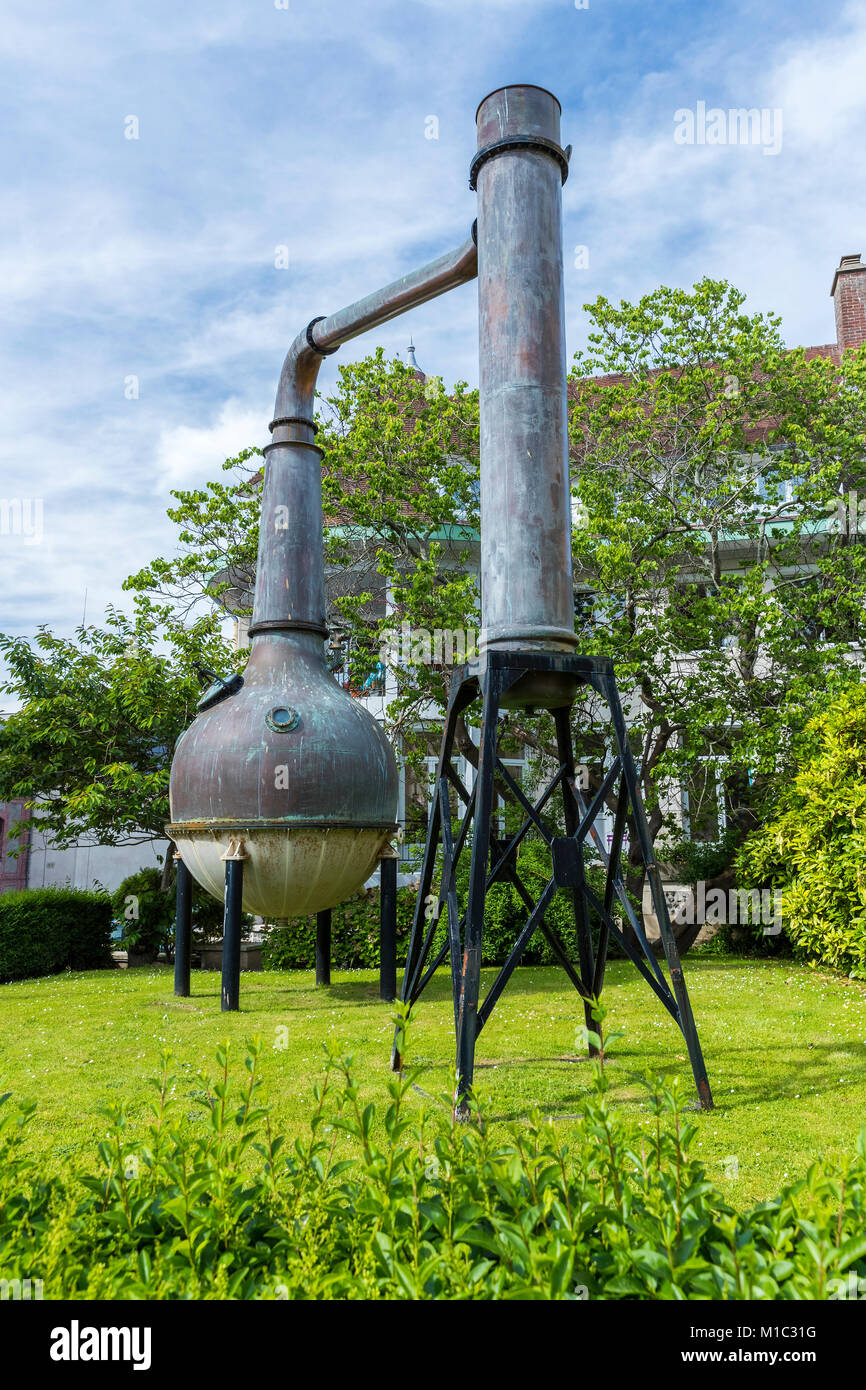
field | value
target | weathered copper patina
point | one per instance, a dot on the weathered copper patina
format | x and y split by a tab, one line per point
289	761
527	598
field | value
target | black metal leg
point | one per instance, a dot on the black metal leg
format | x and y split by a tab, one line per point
323	947
669	943
415	954
449	889
231	973
561	718
687	1021
182	929
419	940
388	930
485	805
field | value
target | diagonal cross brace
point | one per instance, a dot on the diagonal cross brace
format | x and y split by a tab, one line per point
494	860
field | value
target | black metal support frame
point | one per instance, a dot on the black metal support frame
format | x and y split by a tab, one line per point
490	678
323	947
231	962
388	929
182	930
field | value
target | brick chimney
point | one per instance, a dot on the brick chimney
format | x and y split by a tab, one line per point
849	298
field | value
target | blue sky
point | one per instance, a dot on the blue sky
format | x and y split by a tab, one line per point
305	127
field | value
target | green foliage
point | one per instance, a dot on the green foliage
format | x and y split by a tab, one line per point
147	912
748	941
400	480
355	923
700	860
354	935
44	930
431	1210
706	468
814	847
91	746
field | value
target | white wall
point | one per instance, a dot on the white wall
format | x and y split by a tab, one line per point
87	866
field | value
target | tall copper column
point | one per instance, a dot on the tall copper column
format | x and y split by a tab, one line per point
526	574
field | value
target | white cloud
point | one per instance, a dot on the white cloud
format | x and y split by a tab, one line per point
652	211
821	87
306	128
187	456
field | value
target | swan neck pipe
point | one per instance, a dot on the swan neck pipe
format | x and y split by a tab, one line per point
290	582
297	388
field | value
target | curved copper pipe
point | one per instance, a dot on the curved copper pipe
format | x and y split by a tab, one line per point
297	387
290	588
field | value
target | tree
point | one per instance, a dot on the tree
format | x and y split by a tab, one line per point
813	847
704	468
91	746
706	563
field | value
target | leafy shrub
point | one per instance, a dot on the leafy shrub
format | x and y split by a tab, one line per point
814	847
146	910
355	923
354	935
696	860
748	939
44	930
148	913
419	1208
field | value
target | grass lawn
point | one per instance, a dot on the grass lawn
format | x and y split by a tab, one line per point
785	1048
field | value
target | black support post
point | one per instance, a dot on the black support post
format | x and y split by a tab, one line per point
388	929
231	976
470	982
562	720
323	947
182	929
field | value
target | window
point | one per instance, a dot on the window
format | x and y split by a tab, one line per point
584	605
704	817
511	816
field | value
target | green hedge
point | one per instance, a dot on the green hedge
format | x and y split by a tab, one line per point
44	930
398	1202
355	924
147	912
354	935
813	848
